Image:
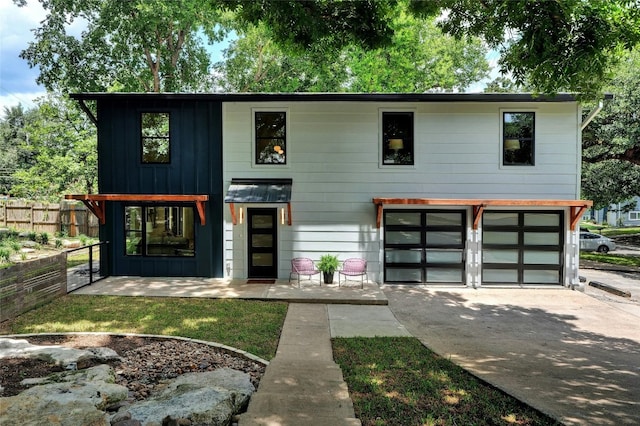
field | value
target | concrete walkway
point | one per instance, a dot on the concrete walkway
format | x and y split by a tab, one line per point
569	354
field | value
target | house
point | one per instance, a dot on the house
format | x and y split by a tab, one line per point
456	189
617	214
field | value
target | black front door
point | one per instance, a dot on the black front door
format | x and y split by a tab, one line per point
263	243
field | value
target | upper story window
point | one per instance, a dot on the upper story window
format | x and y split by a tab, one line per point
518	143
270	137
397	138
155	137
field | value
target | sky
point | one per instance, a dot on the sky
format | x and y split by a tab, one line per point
18	81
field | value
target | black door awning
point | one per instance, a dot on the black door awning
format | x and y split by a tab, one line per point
259	191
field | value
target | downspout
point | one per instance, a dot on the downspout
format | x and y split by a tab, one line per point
591	115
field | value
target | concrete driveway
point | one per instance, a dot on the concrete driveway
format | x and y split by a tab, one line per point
572	356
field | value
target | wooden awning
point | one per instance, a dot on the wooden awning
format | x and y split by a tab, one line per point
96	202
578	207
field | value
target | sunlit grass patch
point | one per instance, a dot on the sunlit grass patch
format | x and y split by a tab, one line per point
397	381
253	326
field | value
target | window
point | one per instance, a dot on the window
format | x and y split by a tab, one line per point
159	231
271	137
397	138
154	136
635	215
518	138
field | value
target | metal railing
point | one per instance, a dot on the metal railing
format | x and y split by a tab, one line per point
85	265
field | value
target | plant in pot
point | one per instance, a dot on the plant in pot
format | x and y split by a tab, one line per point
328	265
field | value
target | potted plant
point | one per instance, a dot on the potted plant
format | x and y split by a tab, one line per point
328	265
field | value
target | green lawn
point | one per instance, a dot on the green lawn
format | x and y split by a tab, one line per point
397	381
252	326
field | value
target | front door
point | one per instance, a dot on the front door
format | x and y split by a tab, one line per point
263	243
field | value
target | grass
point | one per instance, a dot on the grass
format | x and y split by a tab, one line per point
397	381
615	259
252	326
608	231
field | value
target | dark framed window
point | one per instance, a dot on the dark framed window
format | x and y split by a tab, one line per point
518	138
271	137
152	230
155	137
397	138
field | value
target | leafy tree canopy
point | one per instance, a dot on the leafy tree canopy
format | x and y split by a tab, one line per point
154	45
420	58
611	142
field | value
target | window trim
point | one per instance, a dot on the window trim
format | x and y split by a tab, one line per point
287	138
381	150
501	152
636	213
142	138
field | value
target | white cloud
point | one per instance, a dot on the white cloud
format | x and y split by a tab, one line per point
17	80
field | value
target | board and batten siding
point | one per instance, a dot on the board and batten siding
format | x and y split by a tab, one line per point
333	156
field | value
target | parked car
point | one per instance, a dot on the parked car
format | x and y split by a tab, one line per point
596	242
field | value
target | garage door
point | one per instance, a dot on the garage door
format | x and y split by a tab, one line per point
424	246
522	247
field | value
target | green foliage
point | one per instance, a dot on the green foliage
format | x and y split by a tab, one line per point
139	45
62	141
611	142
42	238
328	263
553	46
5	254
419	58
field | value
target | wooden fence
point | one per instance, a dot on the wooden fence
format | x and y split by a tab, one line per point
70	218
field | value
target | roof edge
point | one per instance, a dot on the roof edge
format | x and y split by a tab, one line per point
334	97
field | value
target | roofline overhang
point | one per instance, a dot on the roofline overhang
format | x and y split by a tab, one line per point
334	97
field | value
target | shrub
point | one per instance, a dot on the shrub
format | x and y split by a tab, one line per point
58	243
5	254
42	238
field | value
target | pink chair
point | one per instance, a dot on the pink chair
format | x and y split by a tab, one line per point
304	266
353	267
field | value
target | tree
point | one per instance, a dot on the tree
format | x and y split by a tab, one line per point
553	46
611	142
62	142
14	145
255	63
137	45
420	58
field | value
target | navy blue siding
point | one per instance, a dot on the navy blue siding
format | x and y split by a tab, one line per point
195	168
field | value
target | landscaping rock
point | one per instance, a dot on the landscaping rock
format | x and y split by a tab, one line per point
210	398
68	358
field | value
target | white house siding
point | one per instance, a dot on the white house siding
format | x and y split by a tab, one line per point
333	156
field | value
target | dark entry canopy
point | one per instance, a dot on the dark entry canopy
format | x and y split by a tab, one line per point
259	191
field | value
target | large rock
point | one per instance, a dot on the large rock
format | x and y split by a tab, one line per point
80	397
69	398
209	398
69	358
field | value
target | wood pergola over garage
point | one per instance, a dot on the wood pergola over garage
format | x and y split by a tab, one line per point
578	207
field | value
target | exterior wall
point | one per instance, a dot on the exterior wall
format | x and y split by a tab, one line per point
333	155
195	168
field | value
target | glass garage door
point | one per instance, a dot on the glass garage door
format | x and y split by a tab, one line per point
424	246
522	247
